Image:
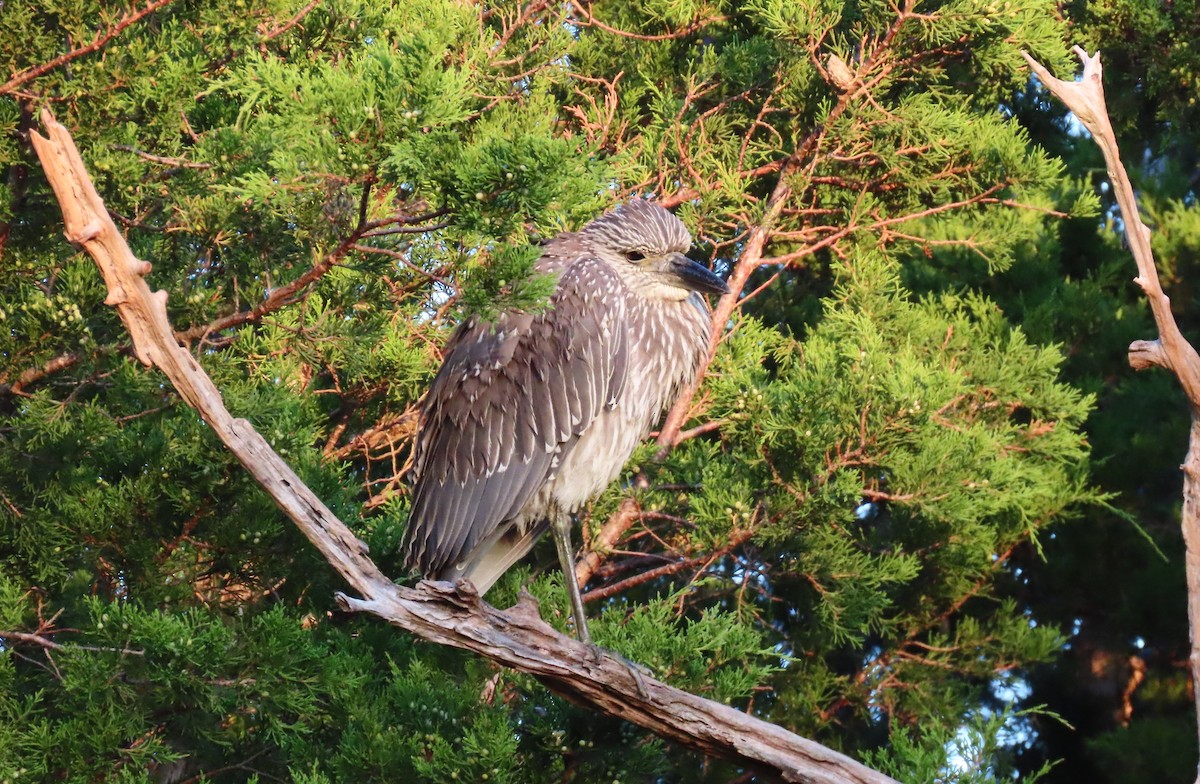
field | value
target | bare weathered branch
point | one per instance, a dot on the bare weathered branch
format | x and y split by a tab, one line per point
1086	99
450	615
144	314
1171	350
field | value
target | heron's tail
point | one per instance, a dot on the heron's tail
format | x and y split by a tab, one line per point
494	556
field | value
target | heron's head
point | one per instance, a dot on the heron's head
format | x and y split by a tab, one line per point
646	244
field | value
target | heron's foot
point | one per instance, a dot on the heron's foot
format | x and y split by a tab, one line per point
639	672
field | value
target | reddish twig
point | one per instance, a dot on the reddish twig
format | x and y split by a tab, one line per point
289	24
102	38
611	532
161	158
666	569
33	375
51	645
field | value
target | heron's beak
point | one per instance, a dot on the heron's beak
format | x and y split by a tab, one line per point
695	276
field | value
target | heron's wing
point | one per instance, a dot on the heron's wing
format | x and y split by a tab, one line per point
512	396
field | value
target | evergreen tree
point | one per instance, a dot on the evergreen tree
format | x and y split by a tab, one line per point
883	449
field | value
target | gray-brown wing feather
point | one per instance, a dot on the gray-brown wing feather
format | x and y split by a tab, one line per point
509	402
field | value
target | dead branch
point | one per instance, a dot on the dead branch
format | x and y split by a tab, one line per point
1170	350
439	612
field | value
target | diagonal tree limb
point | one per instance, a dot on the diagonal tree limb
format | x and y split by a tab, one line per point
1171	350
439	612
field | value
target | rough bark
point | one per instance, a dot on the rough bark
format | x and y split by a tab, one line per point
439	612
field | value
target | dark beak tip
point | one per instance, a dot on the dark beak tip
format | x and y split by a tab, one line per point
698	277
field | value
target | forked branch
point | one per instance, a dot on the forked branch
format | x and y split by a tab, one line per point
438	612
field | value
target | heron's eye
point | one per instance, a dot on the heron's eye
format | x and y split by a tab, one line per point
634	255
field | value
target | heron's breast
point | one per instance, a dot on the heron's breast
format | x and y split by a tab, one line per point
664	352
596	460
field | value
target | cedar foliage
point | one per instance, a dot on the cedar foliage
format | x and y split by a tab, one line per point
325	189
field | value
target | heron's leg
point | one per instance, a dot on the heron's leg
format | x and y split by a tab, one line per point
561	522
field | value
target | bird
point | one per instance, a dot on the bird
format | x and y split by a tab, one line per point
533	414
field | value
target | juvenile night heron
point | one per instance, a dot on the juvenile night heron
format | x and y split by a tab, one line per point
531	416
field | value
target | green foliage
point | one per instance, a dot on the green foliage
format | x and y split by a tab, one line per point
977	752
506	280
884	450
895	455
1158	748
